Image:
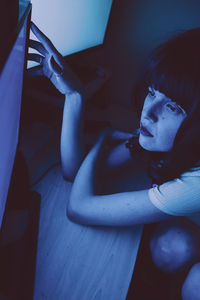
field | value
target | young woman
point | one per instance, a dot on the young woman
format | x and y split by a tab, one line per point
150	176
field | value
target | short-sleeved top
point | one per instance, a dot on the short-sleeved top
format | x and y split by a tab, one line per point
179	197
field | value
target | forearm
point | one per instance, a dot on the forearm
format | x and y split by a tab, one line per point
83	186
118	209
72	145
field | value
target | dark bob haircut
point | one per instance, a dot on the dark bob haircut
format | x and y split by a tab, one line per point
174	69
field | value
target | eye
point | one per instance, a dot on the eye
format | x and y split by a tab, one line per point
172	107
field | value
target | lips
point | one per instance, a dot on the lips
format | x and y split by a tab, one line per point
145	132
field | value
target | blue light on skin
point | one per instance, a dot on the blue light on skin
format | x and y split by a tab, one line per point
160	120
72	26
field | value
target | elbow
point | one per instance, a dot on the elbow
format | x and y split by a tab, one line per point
72	213
70	168
77	213
74	210
69	175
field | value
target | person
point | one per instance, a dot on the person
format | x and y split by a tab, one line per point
150	176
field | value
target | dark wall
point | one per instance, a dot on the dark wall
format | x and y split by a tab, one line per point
134	29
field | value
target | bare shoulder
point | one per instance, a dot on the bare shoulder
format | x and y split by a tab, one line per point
118	155
123	172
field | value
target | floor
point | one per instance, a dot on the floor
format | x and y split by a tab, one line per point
79	262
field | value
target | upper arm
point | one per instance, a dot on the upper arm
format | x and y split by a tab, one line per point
118	156
121	209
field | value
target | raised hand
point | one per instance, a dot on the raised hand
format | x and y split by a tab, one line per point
113	137
52	64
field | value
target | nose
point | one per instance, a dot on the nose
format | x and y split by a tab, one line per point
150	112
152	116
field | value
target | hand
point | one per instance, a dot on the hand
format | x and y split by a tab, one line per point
52	64
110	138
106	152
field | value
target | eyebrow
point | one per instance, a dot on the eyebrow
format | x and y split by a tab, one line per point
169	99
182	109
179	106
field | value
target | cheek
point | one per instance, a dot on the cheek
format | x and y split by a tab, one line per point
166	140
167	135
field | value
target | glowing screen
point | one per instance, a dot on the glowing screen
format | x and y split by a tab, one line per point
72	25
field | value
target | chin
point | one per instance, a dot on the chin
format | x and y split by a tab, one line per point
148	145
145	144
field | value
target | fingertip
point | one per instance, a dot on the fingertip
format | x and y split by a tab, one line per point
32	23
35	71
33	26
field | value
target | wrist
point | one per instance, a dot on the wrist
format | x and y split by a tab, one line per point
74	105
74	95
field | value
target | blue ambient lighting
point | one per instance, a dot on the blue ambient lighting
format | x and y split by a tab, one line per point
11	80
71	25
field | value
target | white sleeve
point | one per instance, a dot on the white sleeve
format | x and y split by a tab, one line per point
179	197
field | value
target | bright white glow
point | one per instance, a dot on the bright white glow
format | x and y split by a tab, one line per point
72	25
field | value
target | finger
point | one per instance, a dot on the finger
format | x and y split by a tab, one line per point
35	57
44	39
37	46
55	67
121	135
35	71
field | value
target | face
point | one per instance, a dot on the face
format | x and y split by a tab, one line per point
160	120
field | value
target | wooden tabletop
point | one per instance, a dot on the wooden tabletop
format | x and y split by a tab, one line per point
76	262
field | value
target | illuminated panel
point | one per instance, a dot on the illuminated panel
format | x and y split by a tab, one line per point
72	25
11	80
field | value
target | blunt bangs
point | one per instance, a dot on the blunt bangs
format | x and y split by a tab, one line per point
178	85
174	69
